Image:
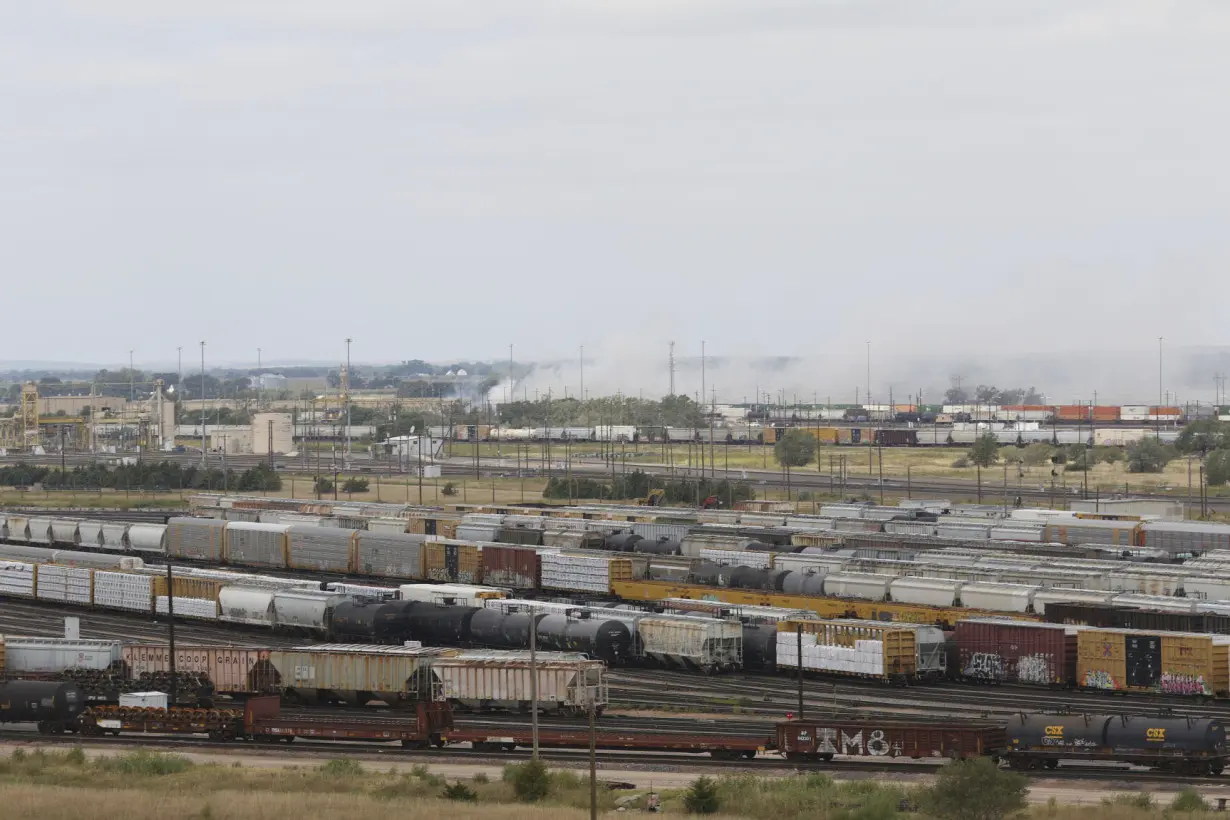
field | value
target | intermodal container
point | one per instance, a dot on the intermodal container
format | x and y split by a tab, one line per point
1016	652
1072	412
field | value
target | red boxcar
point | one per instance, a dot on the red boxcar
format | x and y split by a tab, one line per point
888	737
1003	651
509	566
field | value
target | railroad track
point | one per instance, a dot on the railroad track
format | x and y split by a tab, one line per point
766	763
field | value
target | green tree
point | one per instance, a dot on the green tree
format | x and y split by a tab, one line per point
1203	436
530	780
355	485
794	448
985	450
1217	467
1148	455
1188	801
702	797
323	485
974	790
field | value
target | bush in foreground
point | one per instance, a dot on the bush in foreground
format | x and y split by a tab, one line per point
702	797
974	790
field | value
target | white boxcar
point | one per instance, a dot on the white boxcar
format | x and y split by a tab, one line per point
324	549
459	594
867	586
942	592
388	554
247	605
148	538
69	585
195	538
998	597
256	545
1207	588
691	642
123	590
567	682
50	655
802	562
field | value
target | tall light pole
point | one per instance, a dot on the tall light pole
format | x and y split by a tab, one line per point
348	341
179	369
867	395
582	391
132	384
204	452
509	391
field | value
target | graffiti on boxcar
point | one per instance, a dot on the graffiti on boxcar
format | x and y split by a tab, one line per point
832	741
985	665
1174	683
1099	679
1034	669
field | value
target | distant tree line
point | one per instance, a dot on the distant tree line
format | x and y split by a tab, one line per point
638	484
156	476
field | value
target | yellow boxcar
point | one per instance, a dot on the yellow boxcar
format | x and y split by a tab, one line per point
452	562
1174	663
815	539
189	587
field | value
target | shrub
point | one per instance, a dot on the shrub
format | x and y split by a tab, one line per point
961	463
481	778
75	756
460	791
342	767
1188	800
144	764
1148	456
530	781
355	485
702	797
974	790
322	486
449	488
1036	454
1135	800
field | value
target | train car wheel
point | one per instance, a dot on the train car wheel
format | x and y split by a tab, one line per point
1216	768
827	757
1051	764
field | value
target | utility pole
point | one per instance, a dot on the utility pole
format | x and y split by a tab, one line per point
171	630
509	391
204	452
1157	417
868	393
346	398
581	395
533	684
179	370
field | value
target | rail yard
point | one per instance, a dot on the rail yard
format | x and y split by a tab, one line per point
823	639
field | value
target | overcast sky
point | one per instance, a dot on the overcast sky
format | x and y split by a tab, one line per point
439	178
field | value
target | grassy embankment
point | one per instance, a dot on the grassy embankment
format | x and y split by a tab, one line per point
146	786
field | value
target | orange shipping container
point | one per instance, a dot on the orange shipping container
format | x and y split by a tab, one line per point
1072	412
1105	413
